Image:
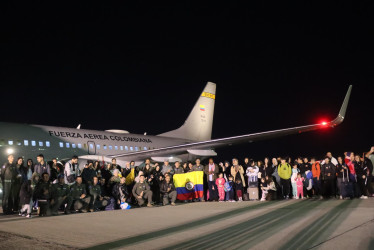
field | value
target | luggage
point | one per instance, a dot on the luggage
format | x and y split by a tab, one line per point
253	193
246	197
347	187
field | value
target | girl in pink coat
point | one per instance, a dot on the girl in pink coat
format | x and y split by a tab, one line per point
220	185
300	186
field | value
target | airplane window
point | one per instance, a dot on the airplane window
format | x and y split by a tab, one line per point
73	145
136	149
145	148
47	143
116	147
131	149
105	147
91	146
110	147
121	147
98	146
26	142
79	145
40	144
33	143
68	145
126	148
10	142
19	143
61	144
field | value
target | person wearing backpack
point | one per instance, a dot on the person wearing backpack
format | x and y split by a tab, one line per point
284	172
316	171
71	170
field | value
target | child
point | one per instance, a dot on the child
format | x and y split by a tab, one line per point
220	182
300	186
25	199
264	188
229	189
295	171
239	189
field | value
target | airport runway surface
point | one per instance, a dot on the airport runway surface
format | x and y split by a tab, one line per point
292	224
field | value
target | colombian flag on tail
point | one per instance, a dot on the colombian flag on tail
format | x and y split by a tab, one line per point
180	181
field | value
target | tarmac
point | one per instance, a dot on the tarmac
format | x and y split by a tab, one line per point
287	224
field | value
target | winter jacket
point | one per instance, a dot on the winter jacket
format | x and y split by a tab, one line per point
215	172
120	191
42	168
25	193
284	171
164	187
316	170
328	171
240	172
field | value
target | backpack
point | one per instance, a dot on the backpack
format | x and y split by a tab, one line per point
227	187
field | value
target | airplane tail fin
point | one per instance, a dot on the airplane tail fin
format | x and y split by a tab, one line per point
198	126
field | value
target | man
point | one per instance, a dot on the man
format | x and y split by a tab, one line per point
78	193
316	171
361	173
42	166
88	173
331	159
198	166
211	170
8	177
328	173
55	171
97	201
71	170
177	168
167	168
115	165
284	172
168	191
142	191
43	194
60	195
120	193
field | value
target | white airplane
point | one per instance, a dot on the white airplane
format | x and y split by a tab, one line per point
191	140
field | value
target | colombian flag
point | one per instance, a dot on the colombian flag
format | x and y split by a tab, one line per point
180	181
202	107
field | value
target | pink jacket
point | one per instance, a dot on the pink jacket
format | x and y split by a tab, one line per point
220	182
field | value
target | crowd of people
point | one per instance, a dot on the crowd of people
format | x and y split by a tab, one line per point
50	187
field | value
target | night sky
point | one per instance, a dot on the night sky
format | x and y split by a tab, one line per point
141	68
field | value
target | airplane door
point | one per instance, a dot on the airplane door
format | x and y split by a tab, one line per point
91	148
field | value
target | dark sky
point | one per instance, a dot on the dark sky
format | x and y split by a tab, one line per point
141	67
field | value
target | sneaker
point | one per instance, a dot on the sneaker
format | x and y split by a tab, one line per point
363	197
173	204
297	198
28	216
149	205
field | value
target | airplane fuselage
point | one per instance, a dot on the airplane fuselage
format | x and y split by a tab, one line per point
62	143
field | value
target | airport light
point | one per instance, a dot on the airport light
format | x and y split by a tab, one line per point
10	151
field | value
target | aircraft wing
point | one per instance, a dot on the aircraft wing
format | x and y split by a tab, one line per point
215	143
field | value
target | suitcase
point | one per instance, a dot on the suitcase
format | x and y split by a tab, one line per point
347	188
253	193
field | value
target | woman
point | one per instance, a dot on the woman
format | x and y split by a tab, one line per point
30	165
268	168
155	187
341	173
237	171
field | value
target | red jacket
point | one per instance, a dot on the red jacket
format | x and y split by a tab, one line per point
350	165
